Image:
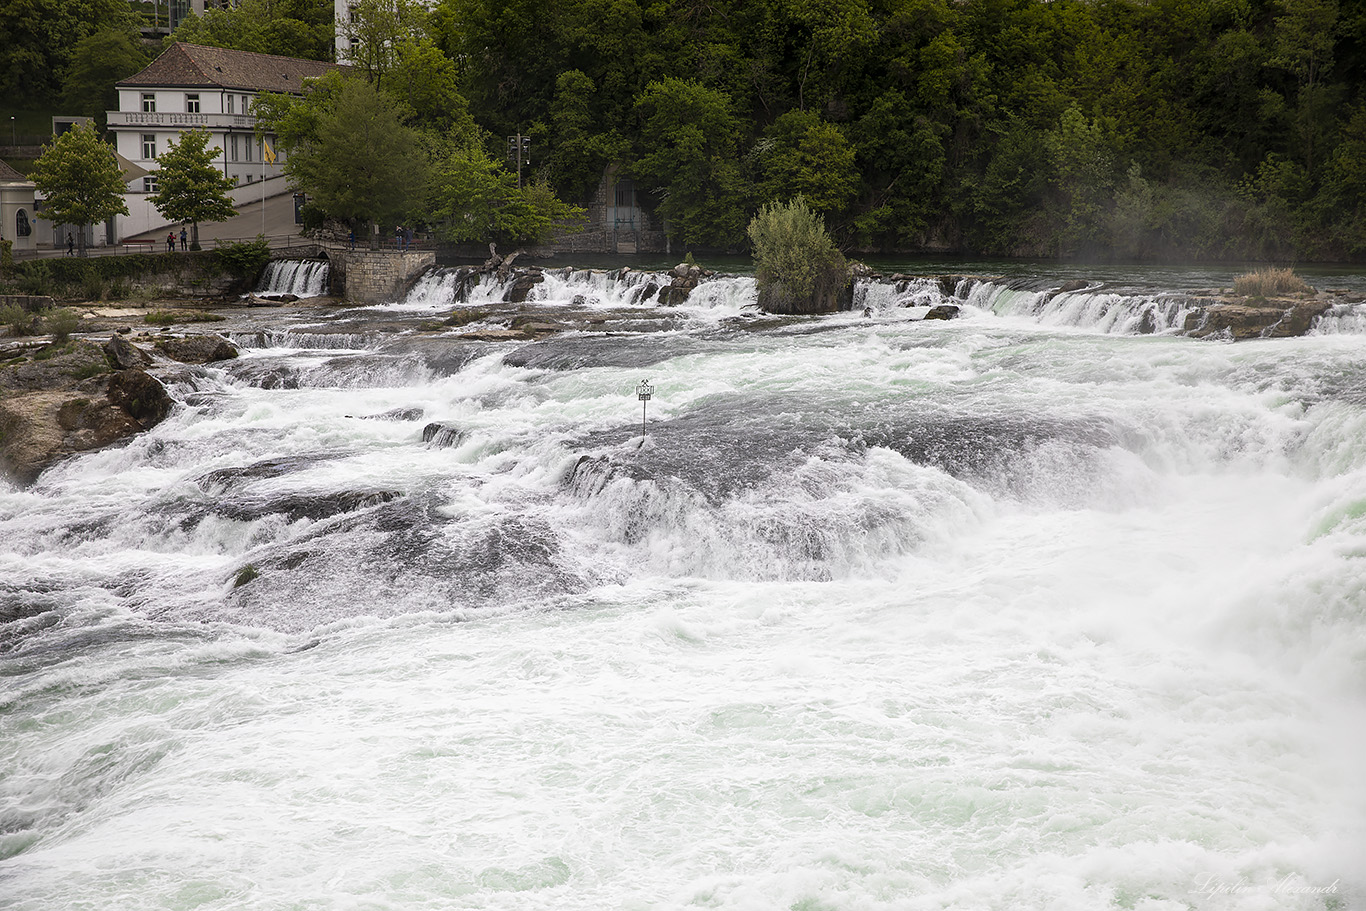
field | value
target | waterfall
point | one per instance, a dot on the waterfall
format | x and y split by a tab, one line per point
301	278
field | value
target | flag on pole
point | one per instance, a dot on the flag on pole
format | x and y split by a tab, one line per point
270	153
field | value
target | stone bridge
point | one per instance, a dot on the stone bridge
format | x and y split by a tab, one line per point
365	276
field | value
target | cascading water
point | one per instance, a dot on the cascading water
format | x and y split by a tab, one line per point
1016	610
301	278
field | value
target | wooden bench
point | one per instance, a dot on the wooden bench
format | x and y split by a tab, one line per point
149	244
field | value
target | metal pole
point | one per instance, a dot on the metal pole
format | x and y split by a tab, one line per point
519	161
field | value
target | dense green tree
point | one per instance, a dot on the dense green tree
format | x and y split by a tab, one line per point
39	40
378	29
801	155
797	267
472	197
189	187
289	28
349	150
102	59
80	180
688	160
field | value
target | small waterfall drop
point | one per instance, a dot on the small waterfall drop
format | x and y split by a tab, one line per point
302	278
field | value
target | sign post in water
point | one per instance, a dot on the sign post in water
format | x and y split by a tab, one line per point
643	392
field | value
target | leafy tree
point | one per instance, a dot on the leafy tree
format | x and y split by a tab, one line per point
803	156
41	39
688	157
797	267
189	187
102	59
579	152
80	180
472	197
377	29
348	149
289	28
425	79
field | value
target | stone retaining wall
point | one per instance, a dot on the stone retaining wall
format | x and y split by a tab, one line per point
375	277
28	302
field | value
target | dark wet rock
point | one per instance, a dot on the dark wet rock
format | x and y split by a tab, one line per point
442	436
296	506
464	317
124	355
942	311
1076	284
141	395
1262	319
221	479
686	278
521	286
576	352
393	414
197	349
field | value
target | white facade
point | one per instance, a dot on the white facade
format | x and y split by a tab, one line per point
149	120
214	89
341	20
18	218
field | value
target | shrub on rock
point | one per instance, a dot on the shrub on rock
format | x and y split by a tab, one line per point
798	268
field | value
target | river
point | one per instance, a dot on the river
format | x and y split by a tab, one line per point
1022	610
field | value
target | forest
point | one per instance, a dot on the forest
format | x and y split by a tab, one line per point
1124	129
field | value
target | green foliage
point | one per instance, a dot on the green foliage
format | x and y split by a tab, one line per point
18	320
797	267
61	322
473	198
379	30
171	317
349	150
6	257
289	28
688	158
244	259
80	178
102	58
190	188
42	38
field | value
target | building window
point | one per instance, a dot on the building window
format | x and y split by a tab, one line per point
149	146
246	104
232	146
22	227
191	104
149	184
247	143
230	103
149	103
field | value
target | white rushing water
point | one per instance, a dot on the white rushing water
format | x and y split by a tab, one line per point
1019	610
299	277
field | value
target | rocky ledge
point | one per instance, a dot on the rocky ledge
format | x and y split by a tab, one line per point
60	398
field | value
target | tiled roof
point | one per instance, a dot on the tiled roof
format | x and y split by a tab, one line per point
216	67
8	173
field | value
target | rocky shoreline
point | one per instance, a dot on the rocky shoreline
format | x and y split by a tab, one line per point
104	385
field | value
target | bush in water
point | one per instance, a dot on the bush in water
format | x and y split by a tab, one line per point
798	269
1268	282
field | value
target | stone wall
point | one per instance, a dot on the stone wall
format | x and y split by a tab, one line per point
375	277
27	302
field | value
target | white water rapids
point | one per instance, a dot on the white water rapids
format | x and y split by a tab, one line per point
1013	611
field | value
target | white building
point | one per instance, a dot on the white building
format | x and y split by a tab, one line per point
211	88
17	209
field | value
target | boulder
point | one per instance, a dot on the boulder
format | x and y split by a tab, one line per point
521	286
942	311
141	395
124	355
197	349
1269	319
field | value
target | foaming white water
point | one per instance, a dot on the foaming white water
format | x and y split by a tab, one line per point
302	278
879	614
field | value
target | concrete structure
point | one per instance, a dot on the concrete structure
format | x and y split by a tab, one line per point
210	88
376	277
17	209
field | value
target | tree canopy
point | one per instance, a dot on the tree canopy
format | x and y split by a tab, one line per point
80	180
189	187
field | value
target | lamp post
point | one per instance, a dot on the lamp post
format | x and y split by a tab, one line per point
12	140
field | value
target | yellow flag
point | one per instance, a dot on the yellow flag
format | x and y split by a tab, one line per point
270	153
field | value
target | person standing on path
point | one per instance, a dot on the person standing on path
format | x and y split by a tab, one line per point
170	242
184	237
70	244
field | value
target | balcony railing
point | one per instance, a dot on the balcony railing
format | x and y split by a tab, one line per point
181	120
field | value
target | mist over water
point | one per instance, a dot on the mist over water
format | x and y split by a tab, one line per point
1043	607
